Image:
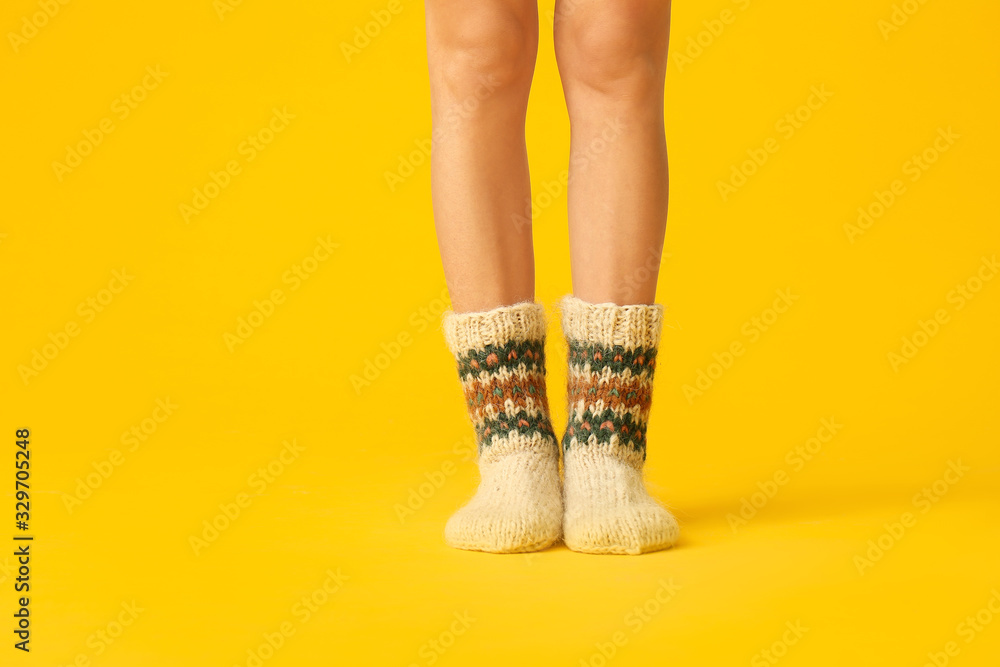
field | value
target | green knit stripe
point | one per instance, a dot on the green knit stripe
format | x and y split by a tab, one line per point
629	431
522	424
626	389
493	357
616	358
504	388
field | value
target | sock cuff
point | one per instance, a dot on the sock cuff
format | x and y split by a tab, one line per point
608	324
517	323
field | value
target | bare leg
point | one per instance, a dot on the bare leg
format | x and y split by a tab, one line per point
612	58
481	57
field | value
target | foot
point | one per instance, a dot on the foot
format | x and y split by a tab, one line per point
518	506
501	363
612	358
607	507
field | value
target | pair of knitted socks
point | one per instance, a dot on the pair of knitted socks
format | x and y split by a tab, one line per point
602	505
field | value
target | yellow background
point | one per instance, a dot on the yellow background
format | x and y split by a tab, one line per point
368	451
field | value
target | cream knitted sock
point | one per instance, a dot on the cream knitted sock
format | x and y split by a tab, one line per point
501	362
612	354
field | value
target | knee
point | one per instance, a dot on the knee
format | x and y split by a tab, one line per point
487	50
620	51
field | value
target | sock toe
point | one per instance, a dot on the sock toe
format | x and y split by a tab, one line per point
630	529
501	363
612	352
501	530
518	506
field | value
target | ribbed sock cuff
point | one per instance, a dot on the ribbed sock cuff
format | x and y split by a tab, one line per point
608	324
499	326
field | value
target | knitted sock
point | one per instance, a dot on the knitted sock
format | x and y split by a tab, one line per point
501	362
612	354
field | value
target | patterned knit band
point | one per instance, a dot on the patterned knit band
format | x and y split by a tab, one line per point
501	363
612	356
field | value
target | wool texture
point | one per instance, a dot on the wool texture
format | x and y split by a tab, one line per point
501	363
612	357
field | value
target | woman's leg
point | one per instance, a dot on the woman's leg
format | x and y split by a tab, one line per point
612	57
481	57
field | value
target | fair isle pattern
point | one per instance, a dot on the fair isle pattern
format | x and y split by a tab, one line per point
504	388
609	394
612	357
517	506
